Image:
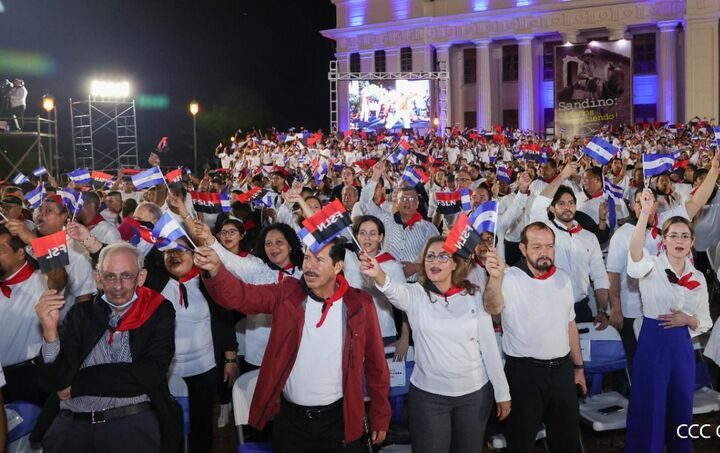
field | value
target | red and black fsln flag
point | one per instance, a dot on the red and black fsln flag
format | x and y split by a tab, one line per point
51	251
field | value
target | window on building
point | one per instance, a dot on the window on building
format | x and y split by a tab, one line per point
510	118
549	59
470	65
435	60
470	119
510	63
645	112
355	62
643	49
406	59
549	118
379	61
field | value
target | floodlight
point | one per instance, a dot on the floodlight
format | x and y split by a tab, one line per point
105	89
48	103
194	108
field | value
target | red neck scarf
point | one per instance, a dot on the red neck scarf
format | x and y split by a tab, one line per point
479	262
97	219
597	195
654	230
576	229
339	292
287	270
687	282
380	201
547	274
194	272
454	289
413	220
384	256
145	305
20	276
242	253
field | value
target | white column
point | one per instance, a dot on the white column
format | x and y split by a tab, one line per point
367	60
443	54
456	88
343	60
422	58
496	84
526	95
392	59
667	40
702	84
484	94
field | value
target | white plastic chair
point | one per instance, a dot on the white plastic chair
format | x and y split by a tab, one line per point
242	394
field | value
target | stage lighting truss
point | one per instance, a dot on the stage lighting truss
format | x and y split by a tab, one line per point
439	77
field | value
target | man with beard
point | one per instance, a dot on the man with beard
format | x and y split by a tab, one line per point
325	338
577	250
541	342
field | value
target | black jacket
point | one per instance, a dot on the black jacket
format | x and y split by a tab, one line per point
152	346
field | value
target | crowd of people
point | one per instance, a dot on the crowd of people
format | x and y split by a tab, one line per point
94	341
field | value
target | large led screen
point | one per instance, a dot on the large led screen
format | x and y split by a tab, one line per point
389	104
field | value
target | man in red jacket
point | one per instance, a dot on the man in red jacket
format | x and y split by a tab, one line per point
325	336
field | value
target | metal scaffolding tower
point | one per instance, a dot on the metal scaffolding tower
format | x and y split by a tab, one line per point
439	77
38	139
104	133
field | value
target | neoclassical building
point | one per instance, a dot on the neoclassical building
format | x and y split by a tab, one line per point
499	53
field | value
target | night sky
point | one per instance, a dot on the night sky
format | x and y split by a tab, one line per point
254	62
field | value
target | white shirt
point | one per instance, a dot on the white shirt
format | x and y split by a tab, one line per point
617	260
254	271
536	314
659	295
578	254
106	233
18	96
111	217
456	352
393	269
705	225
316	376
21	334
194	352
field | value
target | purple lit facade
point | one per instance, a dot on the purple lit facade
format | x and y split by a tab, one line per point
499	52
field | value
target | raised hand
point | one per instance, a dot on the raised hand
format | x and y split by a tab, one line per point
48	311
494	265
208	260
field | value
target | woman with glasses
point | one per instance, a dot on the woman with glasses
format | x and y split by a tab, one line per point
231	235
675	308
279	255
370	233
456	354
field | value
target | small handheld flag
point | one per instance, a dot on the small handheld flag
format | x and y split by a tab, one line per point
38	172
168	228
656	164
484	217
148	178
51	251
72	199
450	203
20	179
80	176
35	196
614	194
462	239
174	176
414	176
502	174
100	176
324	226
600	150
210	202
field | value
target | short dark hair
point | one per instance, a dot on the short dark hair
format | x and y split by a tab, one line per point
113	193
92	198
535	226
596	172
128	207
15	242
562	190
337	249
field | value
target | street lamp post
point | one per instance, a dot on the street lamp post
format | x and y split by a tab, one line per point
194	109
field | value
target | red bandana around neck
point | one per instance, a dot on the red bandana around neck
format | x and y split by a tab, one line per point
97	219
287	270
576	229
194	272
597	195
339	292
146	304
687	282
20	276
242	253
547	274
454	289
654	230
384	256
413	220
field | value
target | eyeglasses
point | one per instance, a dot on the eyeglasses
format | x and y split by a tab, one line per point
371	234
676	236
408	199
111	279
487	241
441	258
229	232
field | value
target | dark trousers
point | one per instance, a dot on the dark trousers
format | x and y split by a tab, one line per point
583	313
302	429
23	384
135	433
202	390
629	341
541	394
661	397
441	424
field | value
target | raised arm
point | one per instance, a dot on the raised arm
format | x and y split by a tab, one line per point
705	190
637	240
493	297
567	172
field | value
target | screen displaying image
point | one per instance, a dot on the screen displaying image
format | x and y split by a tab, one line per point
389	104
